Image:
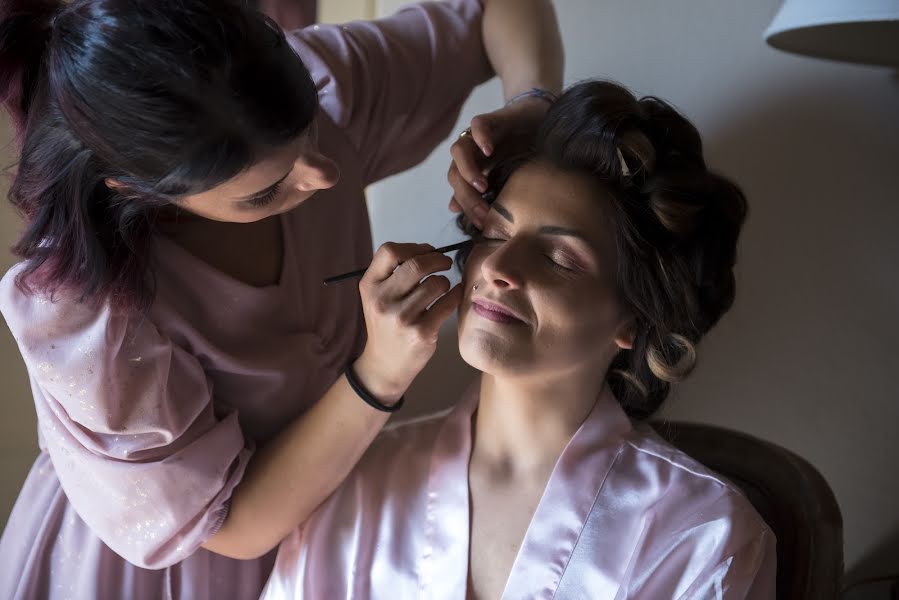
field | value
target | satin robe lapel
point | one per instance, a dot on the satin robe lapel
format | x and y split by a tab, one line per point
443	565
565	506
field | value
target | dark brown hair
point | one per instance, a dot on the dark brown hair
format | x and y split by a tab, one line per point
675	225
167	97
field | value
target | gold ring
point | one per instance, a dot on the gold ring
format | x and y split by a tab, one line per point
465	132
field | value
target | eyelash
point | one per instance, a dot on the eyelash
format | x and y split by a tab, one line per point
552	261
267	199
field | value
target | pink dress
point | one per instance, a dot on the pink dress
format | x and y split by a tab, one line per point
624	515
146	423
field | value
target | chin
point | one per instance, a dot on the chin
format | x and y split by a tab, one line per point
491	354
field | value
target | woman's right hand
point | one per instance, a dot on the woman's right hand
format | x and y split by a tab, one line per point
397	291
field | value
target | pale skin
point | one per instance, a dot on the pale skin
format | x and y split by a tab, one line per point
547	261
289	477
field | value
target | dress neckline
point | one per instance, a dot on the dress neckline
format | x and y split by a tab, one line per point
200	264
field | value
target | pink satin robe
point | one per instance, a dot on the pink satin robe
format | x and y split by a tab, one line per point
624	515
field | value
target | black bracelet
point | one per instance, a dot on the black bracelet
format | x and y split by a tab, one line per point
369	399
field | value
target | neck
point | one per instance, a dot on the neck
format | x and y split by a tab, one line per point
523	425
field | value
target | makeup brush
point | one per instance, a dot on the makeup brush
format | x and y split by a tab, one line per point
361	272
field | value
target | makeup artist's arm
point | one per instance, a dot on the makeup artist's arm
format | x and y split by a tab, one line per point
523	44
288	478
524	47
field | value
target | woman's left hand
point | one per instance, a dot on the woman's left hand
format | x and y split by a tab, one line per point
494	136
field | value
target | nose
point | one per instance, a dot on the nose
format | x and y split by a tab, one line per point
317	172
504	266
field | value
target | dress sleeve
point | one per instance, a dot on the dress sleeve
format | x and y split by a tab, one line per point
130	425
396	85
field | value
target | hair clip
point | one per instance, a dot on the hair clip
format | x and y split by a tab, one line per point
624	169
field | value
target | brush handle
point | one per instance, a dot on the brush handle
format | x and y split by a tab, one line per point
361	272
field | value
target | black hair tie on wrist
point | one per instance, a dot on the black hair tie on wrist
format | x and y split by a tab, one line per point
366	396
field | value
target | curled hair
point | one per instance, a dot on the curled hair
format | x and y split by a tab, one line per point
164	97
674	221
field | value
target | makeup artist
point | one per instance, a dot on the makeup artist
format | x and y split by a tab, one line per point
188	177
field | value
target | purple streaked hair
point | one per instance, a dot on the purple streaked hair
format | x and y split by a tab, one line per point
169	97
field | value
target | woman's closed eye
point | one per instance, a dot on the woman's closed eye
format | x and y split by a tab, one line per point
563	260
557	262
556	257
492	236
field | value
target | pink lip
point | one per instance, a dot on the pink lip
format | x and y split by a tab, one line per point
495	312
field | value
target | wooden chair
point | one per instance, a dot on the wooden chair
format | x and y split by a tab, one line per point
788	492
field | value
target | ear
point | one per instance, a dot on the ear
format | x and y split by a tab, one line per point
625	334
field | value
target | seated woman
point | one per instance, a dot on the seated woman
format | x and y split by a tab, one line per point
606	256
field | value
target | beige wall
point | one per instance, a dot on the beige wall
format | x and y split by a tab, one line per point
341	11
808	358
18	433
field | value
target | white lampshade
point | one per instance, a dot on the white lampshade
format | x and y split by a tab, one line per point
862	31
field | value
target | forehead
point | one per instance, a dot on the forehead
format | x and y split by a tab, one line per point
539	194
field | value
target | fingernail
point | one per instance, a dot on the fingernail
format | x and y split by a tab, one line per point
487	149
480	185
480	212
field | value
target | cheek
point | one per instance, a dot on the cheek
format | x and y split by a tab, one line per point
476	256
207	209
579	319
472	271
